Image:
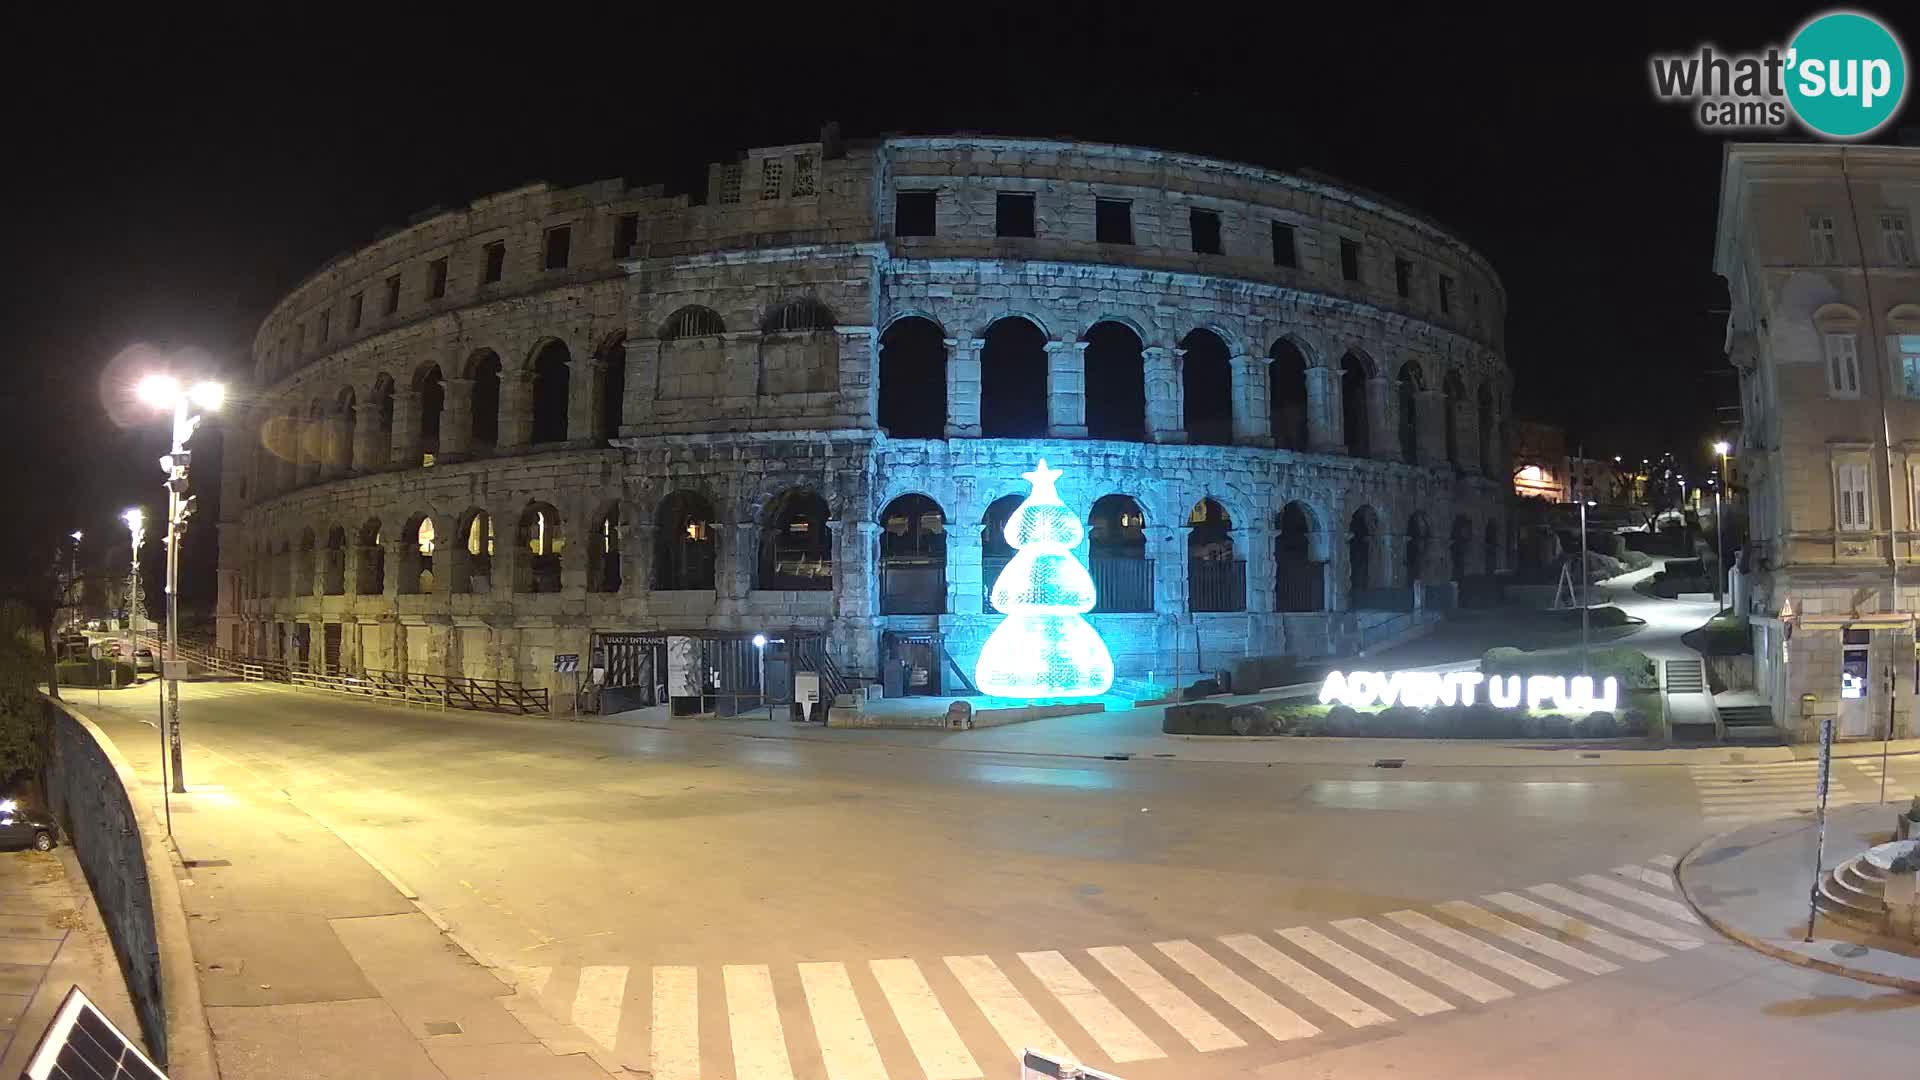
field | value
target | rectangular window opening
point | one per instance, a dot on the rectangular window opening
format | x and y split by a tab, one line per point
1843	365
772	177
1284	252
1350	259
496	267
326	326
1013	213
1205	226
803	174
625	235
559	247
1896	238
1403	278
1446	294
1826	242
1854	497
1909	364
913	213
1113	221
437	278
356	307
393	294
730	183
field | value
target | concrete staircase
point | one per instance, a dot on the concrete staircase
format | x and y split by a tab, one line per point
1854	893
1751	725
1132	690
1686	677
1690	714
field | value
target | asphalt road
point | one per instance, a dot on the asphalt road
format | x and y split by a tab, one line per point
712	905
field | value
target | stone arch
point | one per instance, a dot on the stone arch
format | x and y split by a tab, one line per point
995	551
1117	554
1299	559
1410	383
344	425
913	556
1488	423
1455	389
1419	537
1206	388
1013	379
798	316
419	540
796	542
1356	370
382	440
913	379
334	570
471	553
549	370
371	577
1115	381
684	548
542	540
610	412
1363	542
604	537
305	558
1216	575
692	321
430	398
483	372
1287	397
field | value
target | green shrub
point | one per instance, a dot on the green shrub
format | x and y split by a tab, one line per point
94	673
1631	666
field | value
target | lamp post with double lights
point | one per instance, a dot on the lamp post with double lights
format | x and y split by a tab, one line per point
1719	529
165	392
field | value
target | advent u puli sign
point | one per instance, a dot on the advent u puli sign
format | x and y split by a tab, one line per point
1425	689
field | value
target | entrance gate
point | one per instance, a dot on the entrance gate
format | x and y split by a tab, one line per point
636	670
330	648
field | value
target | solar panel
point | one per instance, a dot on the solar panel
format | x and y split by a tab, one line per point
82	1044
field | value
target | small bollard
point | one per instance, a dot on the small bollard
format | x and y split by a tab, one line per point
1900	895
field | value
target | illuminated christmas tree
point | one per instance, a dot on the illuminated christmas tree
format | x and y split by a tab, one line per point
1043	648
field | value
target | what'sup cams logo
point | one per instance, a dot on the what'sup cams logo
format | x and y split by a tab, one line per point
1842	76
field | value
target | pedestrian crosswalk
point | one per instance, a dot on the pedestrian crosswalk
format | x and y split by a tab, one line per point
203	691
1732	795
964	1017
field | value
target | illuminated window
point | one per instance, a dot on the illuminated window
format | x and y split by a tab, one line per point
1909	345
425	537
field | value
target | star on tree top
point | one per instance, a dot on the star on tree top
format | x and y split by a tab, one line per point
1041	477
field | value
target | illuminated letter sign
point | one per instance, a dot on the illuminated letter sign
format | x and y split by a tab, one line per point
1425	689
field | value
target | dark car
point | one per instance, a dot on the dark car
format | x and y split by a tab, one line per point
22	828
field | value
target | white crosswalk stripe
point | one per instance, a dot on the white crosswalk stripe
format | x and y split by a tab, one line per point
1181	1012
759	1043
1304	981
1119	1037
846	1044
1732	795
1578	929
1356	970
1437	968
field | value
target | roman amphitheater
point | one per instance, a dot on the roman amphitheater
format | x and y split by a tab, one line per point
606	421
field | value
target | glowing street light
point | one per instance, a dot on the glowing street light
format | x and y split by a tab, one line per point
163	391
1719	529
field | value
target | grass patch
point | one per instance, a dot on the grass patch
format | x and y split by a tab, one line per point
1723	635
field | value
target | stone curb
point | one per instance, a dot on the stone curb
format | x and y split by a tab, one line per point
189	1035
1768	948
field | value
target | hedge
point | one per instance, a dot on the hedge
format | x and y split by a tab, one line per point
94	673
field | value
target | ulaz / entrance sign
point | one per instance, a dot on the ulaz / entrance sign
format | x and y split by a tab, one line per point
1425	689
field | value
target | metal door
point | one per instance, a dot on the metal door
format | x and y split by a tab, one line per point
1857	685
330	647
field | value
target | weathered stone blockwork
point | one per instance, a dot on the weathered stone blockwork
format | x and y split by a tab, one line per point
731	351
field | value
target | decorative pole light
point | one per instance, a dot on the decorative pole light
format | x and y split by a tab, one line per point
1044	648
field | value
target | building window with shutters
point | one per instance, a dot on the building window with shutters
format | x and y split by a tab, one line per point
1896	240
1843	366
1824	239
1855	502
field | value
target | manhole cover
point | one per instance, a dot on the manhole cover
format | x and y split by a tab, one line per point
1849	949
1389	763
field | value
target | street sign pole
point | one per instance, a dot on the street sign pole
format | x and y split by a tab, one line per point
1820	837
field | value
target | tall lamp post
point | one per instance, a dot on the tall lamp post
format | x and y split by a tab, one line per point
165	392
73	580
1719	527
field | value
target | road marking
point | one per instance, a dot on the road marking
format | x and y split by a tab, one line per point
1020	1027
1119	1037
759	1044
1647	876
1367	973
1672	909
1305	981
533	980
846	1044
931	1035
676	1024
1617	917
1488	922
1274	1018
1434	967
1181	1012
596	1003
1504	962
1578	929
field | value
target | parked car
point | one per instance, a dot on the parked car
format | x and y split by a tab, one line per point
20	828
143	659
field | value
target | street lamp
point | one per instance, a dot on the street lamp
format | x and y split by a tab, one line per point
760	651
73	579
165	392
1719	529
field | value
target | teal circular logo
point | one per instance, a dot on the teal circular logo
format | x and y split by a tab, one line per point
1846	76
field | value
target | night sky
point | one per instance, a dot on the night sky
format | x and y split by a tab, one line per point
168	183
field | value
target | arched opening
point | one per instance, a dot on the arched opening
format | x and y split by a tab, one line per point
603	552
1116	383
334	579
1362	532
1456	392
1354	373
803	315
283	570
382	442
692	321
995	552
432	392
1206	386
483	368
543	543
550	393
1301	583
796	546
303	567
1216	580
1418	538
473	555
1410	385
289	443
1490	556
1013	380
1287	395
370	577
683	553
1117	555
345	423
613	388
913	557
1488	425
416	555
1460	546
313	443
913	379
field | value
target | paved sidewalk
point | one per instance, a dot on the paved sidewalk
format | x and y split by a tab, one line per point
314	964
51	939
1753	885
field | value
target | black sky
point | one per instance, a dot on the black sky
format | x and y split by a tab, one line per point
169	182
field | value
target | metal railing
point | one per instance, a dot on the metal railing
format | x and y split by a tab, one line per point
1120	584
1216	585
1302	586
810	654
446	691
